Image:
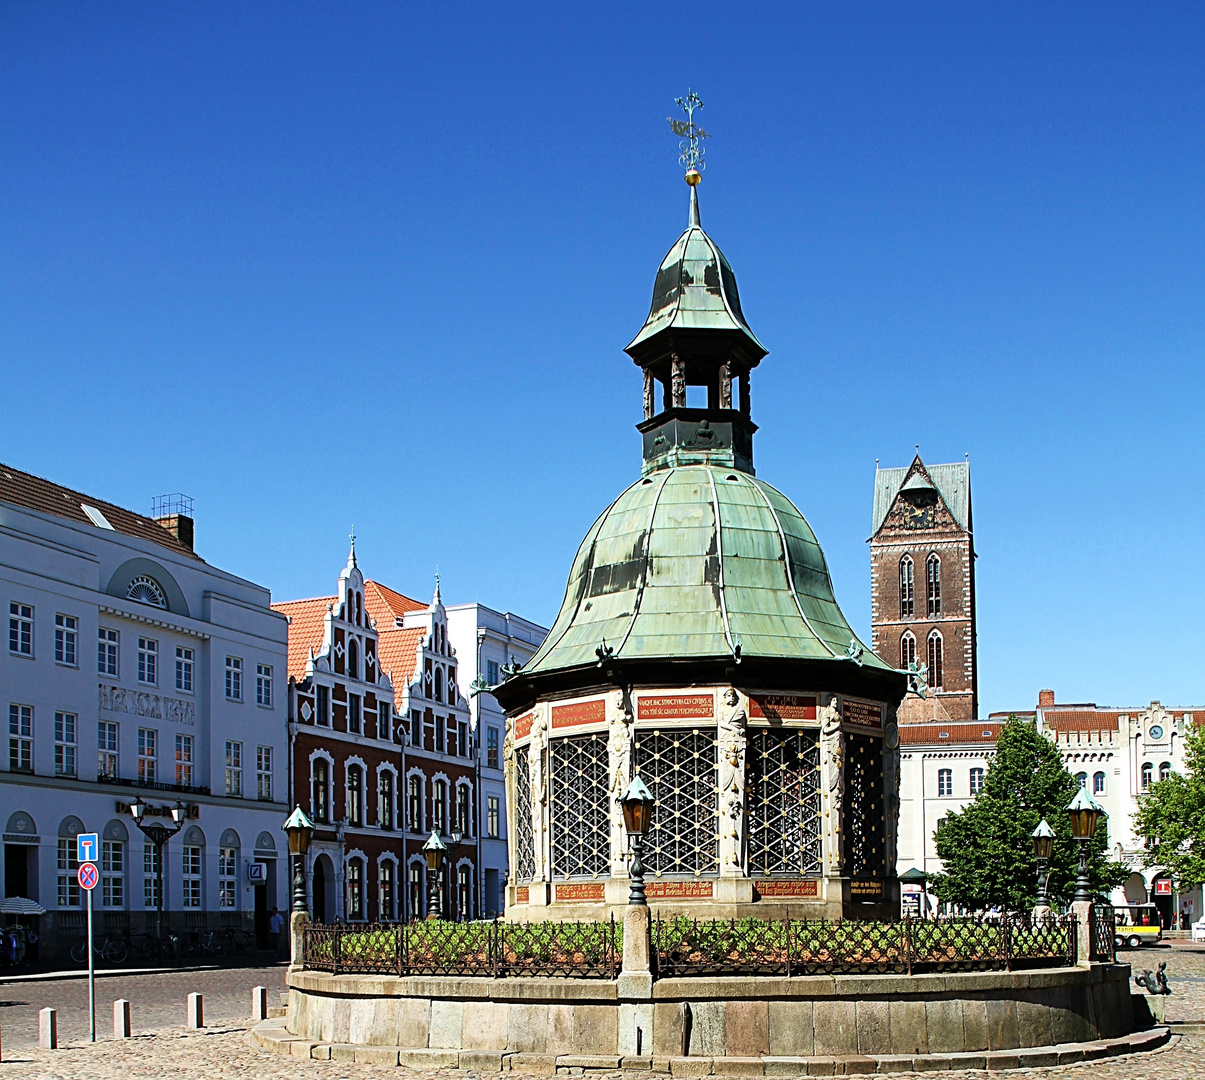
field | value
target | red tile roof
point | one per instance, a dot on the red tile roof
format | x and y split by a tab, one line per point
385	605
306	618
1057	719
980	732
396	654
46	497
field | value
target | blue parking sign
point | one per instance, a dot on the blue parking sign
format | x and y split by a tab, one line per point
87	847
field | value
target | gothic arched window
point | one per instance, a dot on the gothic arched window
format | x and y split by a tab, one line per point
320	778
907	588
907	649
934	676
1147	769
1165	770
1082	780
353	659
415	805
1098	784
933	578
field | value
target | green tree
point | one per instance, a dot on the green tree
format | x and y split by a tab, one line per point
987	849
1170	818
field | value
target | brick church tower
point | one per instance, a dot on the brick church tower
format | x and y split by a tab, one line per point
922	584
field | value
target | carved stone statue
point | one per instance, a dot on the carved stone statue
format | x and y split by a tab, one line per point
725	386
538	765
619	762
678	382
649	386
832	775
731	753
891	790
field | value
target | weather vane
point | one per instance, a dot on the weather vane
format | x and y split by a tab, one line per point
692	136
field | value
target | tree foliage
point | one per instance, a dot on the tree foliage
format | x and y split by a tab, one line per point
1170	819
987	847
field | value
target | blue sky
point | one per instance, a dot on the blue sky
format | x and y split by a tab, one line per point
331	265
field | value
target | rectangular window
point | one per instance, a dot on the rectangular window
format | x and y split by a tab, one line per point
385	799
148	661
68	867
491	748
234	679
192	876
353	713
492	816
20	738
106	652
452	735
324	706
416	729
355	889
150	876
384	721
20	629
113	874
439	734
148	755
263	685
106	750
227	877
945	783
263	773
66	640
184	760
385	891
462	739
184	669
492	674
234	768
976	781
64	743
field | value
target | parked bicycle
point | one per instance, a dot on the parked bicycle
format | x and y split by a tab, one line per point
209	943
112	950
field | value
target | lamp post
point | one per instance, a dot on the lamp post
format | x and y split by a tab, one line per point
434	849
158	834
637	803
300	830
1084	812
1043	849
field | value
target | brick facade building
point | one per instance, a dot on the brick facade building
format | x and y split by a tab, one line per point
381	751
922	585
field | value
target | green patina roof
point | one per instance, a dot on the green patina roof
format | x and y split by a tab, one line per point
695	289
656	579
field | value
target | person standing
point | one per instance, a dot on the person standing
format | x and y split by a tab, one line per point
276	927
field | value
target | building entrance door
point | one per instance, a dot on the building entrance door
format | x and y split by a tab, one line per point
261	916
16	870
1161	895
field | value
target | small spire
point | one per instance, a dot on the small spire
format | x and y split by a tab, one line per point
694	206
351	555
436	602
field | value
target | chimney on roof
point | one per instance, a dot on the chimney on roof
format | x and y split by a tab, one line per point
1045	699
175	513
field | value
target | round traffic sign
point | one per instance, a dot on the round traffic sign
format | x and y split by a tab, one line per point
87	875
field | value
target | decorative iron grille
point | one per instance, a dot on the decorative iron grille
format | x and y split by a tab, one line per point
754	946
783	797
1104	933
436	947
525	844
679	767
865	823
581	821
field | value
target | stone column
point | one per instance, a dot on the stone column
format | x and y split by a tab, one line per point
649	387
832	780
731	753
508	781
538	764
678	381
725	386
619	763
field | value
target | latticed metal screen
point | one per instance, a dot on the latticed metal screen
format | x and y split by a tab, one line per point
679	767
581	822
525	847
783	796
865	824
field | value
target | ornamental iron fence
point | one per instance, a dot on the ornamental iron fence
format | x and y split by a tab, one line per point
813	947
1103	943
436	947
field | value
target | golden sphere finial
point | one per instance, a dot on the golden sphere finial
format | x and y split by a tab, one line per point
693	176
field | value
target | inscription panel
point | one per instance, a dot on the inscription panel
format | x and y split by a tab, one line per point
782	707
581	891
787	888
863	714
676	707
678	890
579	713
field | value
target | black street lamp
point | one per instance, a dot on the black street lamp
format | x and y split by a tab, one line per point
434	849
158	834
637	803
1084	813
300	830
1043	849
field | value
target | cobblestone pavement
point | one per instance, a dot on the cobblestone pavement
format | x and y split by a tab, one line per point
224	1051
156	1001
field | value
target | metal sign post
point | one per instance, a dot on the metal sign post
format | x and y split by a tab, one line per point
88	878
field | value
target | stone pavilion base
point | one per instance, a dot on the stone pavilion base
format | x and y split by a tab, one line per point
722	1026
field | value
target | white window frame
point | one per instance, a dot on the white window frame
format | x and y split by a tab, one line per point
185	670
66	640
185	749
150	875
493	817
263	773
945	783
108	652
20	629
66	743
107	749
1099	783
234	678
148	661
148	756
392	862
192	872
975	777
263	686
113	874
234	769
228	878
20	738
68	867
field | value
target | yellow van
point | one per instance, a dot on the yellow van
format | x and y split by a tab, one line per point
1137	924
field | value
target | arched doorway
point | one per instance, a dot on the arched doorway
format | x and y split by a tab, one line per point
324	889
1161	895
1135	889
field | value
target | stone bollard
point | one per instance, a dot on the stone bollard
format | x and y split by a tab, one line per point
48	1029
196	1012
298	921
1081	910
122	1028
259	1003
